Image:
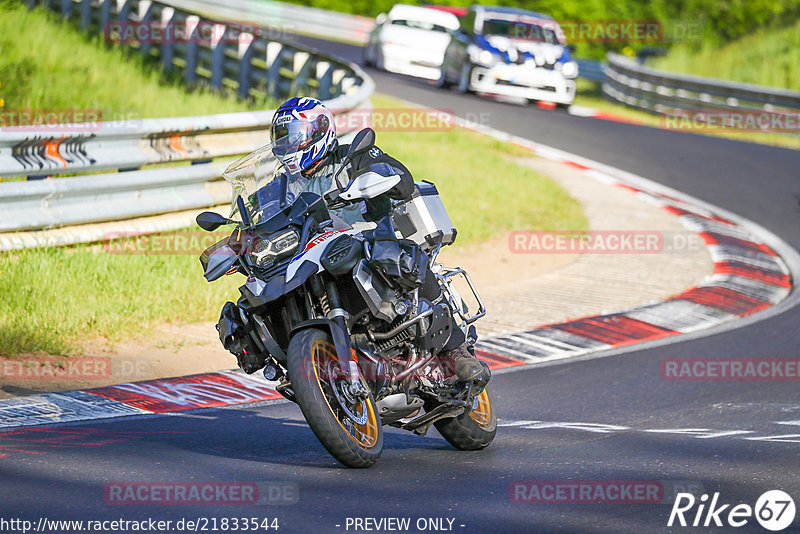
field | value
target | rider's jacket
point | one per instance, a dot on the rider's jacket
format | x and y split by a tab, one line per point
321	182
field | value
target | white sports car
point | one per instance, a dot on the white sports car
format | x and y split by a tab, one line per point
410	40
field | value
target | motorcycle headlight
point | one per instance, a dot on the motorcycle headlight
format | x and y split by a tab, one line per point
265	250
569	69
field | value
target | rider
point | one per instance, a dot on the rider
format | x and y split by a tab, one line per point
304	134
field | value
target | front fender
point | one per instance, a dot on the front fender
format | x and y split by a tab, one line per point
341	340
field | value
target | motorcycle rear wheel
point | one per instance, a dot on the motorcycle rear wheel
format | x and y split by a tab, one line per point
473	430
348	428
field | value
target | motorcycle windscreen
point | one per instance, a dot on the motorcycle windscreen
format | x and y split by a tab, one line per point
262	182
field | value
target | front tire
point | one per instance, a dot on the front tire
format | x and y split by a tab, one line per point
349	429
474	430
465	79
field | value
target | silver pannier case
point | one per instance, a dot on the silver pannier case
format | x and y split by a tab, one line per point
423	219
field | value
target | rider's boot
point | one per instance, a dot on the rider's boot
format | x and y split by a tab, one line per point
467	367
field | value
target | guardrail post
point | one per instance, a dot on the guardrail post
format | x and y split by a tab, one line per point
324	75
168	46
124	11
86	14
246	47
192	21
105	14
218	58
300	66
145	16
66	9
337	77
274	53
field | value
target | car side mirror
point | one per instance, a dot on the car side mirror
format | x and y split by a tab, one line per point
369	185
210	221
380	19
364	140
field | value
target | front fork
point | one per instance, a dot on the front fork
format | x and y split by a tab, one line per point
341	341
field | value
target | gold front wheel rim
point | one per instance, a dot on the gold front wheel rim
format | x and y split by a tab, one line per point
364	435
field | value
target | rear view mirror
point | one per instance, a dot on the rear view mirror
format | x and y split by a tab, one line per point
210	221
380	19
369	185
364	140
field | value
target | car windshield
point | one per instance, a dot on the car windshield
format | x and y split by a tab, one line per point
262	183
520	30
420	24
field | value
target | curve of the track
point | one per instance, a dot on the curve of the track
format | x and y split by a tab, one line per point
706	429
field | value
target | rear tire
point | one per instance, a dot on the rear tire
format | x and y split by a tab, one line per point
442	82
474	430
350	431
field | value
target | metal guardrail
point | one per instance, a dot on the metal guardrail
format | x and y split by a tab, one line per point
591	70
126	146
280	17
657	91
101	197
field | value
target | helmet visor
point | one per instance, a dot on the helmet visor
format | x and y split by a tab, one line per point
290	133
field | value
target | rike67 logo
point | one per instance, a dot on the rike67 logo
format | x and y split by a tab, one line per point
774	510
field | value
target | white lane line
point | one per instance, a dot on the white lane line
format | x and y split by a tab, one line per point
609	429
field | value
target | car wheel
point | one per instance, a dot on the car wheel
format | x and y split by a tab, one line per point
365	57
442	82
465	80
379	59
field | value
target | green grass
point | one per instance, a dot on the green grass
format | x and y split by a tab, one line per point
590	94
47	64
768	57
482	189
55	299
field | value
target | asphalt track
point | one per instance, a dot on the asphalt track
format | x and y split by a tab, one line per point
602	419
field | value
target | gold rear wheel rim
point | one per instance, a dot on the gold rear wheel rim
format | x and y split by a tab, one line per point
481	413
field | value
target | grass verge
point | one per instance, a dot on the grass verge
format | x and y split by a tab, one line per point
50	65
590	94
769	56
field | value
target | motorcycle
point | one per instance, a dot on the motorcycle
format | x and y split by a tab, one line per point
334	313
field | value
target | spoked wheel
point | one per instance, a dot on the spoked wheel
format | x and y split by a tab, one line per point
473	430
348	427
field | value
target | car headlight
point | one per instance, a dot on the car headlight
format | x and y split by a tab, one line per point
481	56
265	250
487	58
569	69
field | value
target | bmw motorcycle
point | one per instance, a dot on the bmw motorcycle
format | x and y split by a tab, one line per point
333	313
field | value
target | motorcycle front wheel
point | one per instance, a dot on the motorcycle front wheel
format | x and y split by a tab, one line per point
349	428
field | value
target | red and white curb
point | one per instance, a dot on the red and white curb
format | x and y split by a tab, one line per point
749	276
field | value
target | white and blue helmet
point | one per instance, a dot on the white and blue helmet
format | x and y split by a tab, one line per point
303	132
